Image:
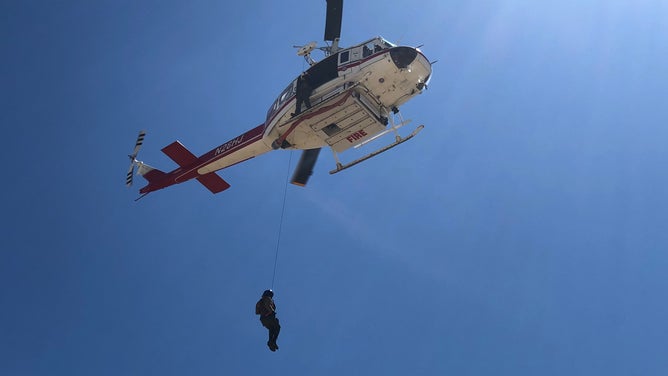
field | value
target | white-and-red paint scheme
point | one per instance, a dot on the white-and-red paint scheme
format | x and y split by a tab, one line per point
355	91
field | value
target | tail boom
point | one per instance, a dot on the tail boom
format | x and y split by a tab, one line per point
239	149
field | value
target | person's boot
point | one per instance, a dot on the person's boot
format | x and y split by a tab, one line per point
273	343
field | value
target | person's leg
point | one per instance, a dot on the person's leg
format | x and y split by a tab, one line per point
274	331
267	323
298	106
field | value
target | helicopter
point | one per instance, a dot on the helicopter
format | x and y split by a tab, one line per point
350	98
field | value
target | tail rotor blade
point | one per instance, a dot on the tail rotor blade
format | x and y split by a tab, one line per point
131	172
139	143
304	168
133	158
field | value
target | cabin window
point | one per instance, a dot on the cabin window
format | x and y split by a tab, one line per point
344	57
367	50
355	54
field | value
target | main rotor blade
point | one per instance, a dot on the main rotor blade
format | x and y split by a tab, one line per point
333	21
304	168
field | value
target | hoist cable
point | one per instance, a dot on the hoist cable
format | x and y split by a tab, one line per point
280	225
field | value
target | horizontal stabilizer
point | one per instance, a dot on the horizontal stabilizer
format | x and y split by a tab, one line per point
213	182
184	158
179	154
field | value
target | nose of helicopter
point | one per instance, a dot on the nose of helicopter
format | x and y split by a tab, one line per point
403	56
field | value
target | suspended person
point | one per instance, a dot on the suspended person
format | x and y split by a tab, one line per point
266	308
304	90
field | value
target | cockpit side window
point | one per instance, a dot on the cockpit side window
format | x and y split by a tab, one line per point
344	57
367	50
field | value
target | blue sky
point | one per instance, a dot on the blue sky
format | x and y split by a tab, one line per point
522	232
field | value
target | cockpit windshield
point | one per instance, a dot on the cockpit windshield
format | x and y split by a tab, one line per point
375	45
385	43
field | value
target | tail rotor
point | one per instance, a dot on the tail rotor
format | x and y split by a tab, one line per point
133	158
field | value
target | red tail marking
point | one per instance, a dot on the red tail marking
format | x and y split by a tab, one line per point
213	182
179	154
184	158
154	175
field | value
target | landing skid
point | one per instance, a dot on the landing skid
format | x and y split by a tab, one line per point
398	140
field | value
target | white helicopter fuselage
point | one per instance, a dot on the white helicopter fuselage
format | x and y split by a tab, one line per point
347	99
354	91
